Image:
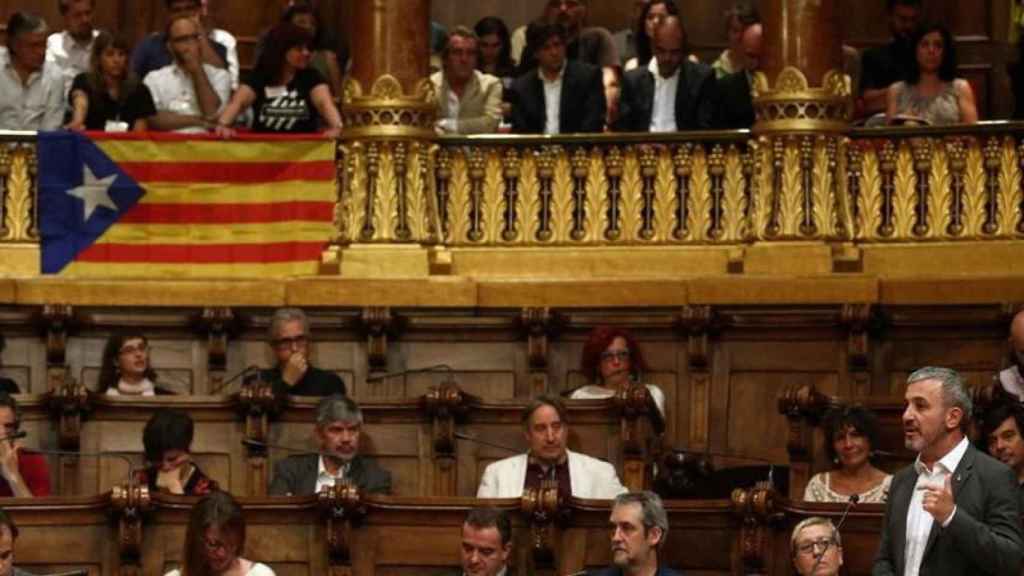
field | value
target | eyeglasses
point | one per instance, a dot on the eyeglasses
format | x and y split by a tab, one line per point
620	355
289	343
133	349
816	546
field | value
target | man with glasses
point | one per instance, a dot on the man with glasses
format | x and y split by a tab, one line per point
189	94
339	423
816	547
293	375
22	474
153	52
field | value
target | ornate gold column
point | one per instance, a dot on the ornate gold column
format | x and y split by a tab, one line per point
802	104
387	220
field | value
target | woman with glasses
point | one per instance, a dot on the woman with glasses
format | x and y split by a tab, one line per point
125	370
294	375
215	541
612	361
851	434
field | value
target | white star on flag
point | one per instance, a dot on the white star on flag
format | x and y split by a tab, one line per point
94	192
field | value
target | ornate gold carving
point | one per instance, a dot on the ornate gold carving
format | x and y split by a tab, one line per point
493	197
386	112
17	166
975	183
597	196
735	205
1009	189
699	216
791	105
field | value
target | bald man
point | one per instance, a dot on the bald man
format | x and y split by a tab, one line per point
1012	378
737	106
671	94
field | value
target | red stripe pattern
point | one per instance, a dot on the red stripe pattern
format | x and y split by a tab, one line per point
228	213
266	253
228	172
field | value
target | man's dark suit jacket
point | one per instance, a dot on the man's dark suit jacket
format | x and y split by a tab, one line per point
296	476
984	536
736	105
695	99
583	102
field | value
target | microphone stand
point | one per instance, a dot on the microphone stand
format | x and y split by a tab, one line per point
229	381
464	436
434	368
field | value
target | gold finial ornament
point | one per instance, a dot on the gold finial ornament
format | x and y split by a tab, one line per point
792	105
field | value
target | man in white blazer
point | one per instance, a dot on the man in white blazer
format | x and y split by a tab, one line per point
546	430
468	101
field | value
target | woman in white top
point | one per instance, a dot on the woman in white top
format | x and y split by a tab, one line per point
125	370
851	433
612	361
215	539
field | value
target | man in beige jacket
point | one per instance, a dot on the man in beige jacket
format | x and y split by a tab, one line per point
468	101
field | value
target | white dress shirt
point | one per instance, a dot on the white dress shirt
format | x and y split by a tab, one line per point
663	110
325	478
450	123
919	522
70	57
173	90
35	105
552	101
228	41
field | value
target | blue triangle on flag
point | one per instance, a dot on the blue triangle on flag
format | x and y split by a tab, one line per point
66	160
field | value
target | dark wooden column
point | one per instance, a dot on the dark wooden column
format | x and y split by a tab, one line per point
804	34
390	37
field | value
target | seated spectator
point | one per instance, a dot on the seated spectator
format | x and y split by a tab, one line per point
167	439
517	43
222	37
31	89
639	527
125	370
851	434
625	39
1012	378
7	385
23	473
286	95
339	423
327	60
486	543
612	361
289	339
188	94
670	93
1002	437
741	16
71	50
883	66
156	50
109	96
559	96
653	14
546	430
215	540
736	102
932	94
495	51
816	548
468	101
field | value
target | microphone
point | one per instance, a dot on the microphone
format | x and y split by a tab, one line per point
464	436
854	498
229	381
256	444
123	456
434	368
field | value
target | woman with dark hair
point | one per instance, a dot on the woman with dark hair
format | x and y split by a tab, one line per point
931	93
612	361
110	96
326	58
495	49
286	95
167	439
738	18
215	540
654	13
125	370
851	433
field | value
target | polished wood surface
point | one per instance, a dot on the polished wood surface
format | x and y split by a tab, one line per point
805	34
390	40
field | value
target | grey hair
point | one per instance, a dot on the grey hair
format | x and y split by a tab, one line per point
954	390
651	508
337	408
24	23
807	523
283	315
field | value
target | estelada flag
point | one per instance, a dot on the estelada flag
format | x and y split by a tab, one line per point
169	205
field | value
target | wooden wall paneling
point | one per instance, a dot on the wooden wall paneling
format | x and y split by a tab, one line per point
485	369
79	529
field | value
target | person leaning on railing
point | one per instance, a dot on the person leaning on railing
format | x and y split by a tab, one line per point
285	93
110	96
851	435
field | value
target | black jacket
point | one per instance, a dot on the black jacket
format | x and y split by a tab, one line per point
695	99
296	476
736	105
583	102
